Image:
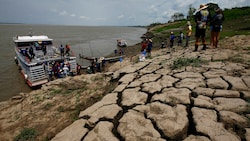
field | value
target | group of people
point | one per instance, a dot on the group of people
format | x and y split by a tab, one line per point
146	47
97	65
28	53
64	51
203	19
60	69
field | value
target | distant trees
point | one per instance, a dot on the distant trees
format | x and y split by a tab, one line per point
191	10
180	16
177	16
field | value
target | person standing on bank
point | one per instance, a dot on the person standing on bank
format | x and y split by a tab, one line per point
216	24
202	17
188	33
171	40
149	48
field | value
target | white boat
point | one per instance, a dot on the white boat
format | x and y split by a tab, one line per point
121	43
40	61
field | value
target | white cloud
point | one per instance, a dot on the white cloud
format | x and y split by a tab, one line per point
84	17
63	13
120	16
129	12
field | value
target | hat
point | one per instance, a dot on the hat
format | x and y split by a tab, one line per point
203	6
188	23
150	40
171	32
218	10
101	58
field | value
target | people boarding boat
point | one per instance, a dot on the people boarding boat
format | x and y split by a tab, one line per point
40	61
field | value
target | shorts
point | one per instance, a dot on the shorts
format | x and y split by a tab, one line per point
200	32
217	28
148	50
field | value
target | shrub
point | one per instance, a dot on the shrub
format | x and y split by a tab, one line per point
27	134
181	62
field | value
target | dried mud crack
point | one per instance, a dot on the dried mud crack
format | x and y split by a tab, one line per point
151	101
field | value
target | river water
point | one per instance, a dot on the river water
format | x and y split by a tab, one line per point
86	40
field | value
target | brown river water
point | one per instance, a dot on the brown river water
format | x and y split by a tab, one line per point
86	40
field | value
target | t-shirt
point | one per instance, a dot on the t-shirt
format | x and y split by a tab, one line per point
202	17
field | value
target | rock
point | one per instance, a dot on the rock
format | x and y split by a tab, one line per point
231	119
151	87
150	69
204	91
172	121
183	75
203	101
133	126
101	132
231	104
217	83
214	65
246	94
247	135
163	71
233	67
132	97
246	79
215	73
196	138
134	84
173	96
191	83
127	78
236	82
74	132
167	81
206	123
149	77
133	68
106	111
120	88
106	100
226	93
128	69
220	56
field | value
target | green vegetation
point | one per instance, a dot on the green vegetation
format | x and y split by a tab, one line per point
56	91
178	24
27	134
237	22
60	109
182	62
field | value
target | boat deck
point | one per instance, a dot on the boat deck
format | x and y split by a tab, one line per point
52	54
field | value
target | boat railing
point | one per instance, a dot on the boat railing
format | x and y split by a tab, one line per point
37	73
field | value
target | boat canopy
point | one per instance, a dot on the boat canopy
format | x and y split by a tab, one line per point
31	38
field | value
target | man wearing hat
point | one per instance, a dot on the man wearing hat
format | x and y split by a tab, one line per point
202	16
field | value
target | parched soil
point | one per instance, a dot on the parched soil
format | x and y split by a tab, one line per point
58	103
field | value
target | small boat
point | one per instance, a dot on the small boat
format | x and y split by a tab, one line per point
122	43
106	59
40	61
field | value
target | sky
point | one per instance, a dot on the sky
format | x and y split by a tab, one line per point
100	12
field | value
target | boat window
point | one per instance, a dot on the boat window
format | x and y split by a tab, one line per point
47	43
23	44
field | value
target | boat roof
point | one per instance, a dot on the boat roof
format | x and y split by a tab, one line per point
31	38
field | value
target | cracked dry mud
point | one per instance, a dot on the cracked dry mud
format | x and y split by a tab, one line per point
155	103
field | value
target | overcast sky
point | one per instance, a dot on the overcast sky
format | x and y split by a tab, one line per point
100	12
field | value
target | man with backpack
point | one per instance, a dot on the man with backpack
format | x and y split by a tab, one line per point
202	17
